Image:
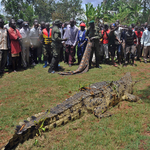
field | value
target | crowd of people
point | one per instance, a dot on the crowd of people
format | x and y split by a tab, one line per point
22	46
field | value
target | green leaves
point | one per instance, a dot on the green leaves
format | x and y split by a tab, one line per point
127	11
67	9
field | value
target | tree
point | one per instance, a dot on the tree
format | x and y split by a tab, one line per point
126	11
44	9
67	9
19	9
90	12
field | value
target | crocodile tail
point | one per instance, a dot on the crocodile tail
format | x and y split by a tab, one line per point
84	64
127	78
58	116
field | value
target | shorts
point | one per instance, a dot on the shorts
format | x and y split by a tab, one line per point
112	50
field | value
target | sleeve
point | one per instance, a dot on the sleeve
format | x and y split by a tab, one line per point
18	33
21	32
12	35
98	34
41	36
56	35
8	40
142	39
30	35
109	35
86	39
87	33
76	37
66	33
135	36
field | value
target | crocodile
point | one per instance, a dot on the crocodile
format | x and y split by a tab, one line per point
84	64
96	99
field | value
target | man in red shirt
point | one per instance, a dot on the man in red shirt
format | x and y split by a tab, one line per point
15	37
105	41
138	33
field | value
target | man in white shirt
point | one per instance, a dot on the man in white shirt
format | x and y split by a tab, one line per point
119	42
4	46
24	31
145	41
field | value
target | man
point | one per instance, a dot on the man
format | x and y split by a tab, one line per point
56	45
111	44
19	24
138	33
82	41
47	49
34	42
105	41
71	34
145	41
40	49
130	36
94	35
15	37
4	45
24	31
119	42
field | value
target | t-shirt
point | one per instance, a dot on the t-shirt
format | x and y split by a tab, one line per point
129	38
118	32
105	36
111	38
139	35
80	35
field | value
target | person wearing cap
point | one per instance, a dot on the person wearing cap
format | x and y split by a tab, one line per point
4	45
19	24
24	31
82	41
71	34
94	35
56	45
47	40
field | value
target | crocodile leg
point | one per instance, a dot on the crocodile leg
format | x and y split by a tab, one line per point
100	111
130	97
106	114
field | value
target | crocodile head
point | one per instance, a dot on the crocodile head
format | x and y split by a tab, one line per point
127	82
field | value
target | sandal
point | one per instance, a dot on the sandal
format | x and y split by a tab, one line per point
115	65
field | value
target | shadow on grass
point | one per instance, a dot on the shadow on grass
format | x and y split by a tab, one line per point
1	75
145	94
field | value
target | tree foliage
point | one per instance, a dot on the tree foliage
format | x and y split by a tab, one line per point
44	10
126	11
67	9
19	9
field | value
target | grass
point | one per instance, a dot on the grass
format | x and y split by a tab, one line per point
26	93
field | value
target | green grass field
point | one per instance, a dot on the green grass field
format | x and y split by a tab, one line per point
29	92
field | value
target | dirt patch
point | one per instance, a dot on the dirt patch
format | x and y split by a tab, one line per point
145	128
4	137
142	144
122	106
